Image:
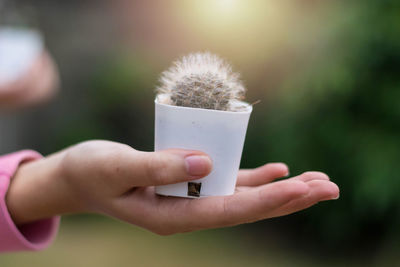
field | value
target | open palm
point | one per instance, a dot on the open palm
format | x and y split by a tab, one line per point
257	197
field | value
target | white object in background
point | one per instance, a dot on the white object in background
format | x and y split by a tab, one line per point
19	48
220	134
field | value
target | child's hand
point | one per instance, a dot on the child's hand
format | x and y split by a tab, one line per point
35	86
114	179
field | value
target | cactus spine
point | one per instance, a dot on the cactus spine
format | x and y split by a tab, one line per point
202	80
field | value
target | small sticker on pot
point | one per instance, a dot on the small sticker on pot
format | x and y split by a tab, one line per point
194	189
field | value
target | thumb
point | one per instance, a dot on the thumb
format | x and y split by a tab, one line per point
171	166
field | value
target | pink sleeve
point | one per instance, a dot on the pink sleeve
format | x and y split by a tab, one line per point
33	236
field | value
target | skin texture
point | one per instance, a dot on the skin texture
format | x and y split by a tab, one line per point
117	180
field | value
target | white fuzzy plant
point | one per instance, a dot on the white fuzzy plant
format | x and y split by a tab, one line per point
202	80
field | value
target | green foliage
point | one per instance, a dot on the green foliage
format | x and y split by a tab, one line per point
342	116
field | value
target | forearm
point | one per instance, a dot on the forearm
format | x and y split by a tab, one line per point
38	191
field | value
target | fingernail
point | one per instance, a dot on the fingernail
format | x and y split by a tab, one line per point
337	197
287	173
197	165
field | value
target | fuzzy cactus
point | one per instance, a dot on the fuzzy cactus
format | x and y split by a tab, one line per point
202	80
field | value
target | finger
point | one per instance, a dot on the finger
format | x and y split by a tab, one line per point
320	190
262	175
47	81
169	166
312	175
305	177
242	207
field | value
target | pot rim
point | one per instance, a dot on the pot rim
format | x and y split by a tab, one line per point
249	107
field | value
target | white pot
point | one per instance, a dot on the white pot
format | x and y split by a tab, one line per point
220	134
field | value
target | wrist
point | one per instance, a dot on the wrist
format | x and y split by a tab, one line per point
37	191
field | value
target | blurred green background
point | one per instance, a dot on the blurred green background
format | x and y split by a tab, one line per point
328	77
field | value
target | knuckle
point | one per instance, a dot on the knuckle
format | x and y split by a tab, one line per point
156	169
227	213
315	174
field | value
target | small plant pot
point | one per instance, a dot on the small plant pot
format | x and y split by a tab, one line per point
220	134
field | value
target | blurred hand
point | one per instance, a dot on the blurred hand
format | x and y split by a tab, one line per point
116	180
37	85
